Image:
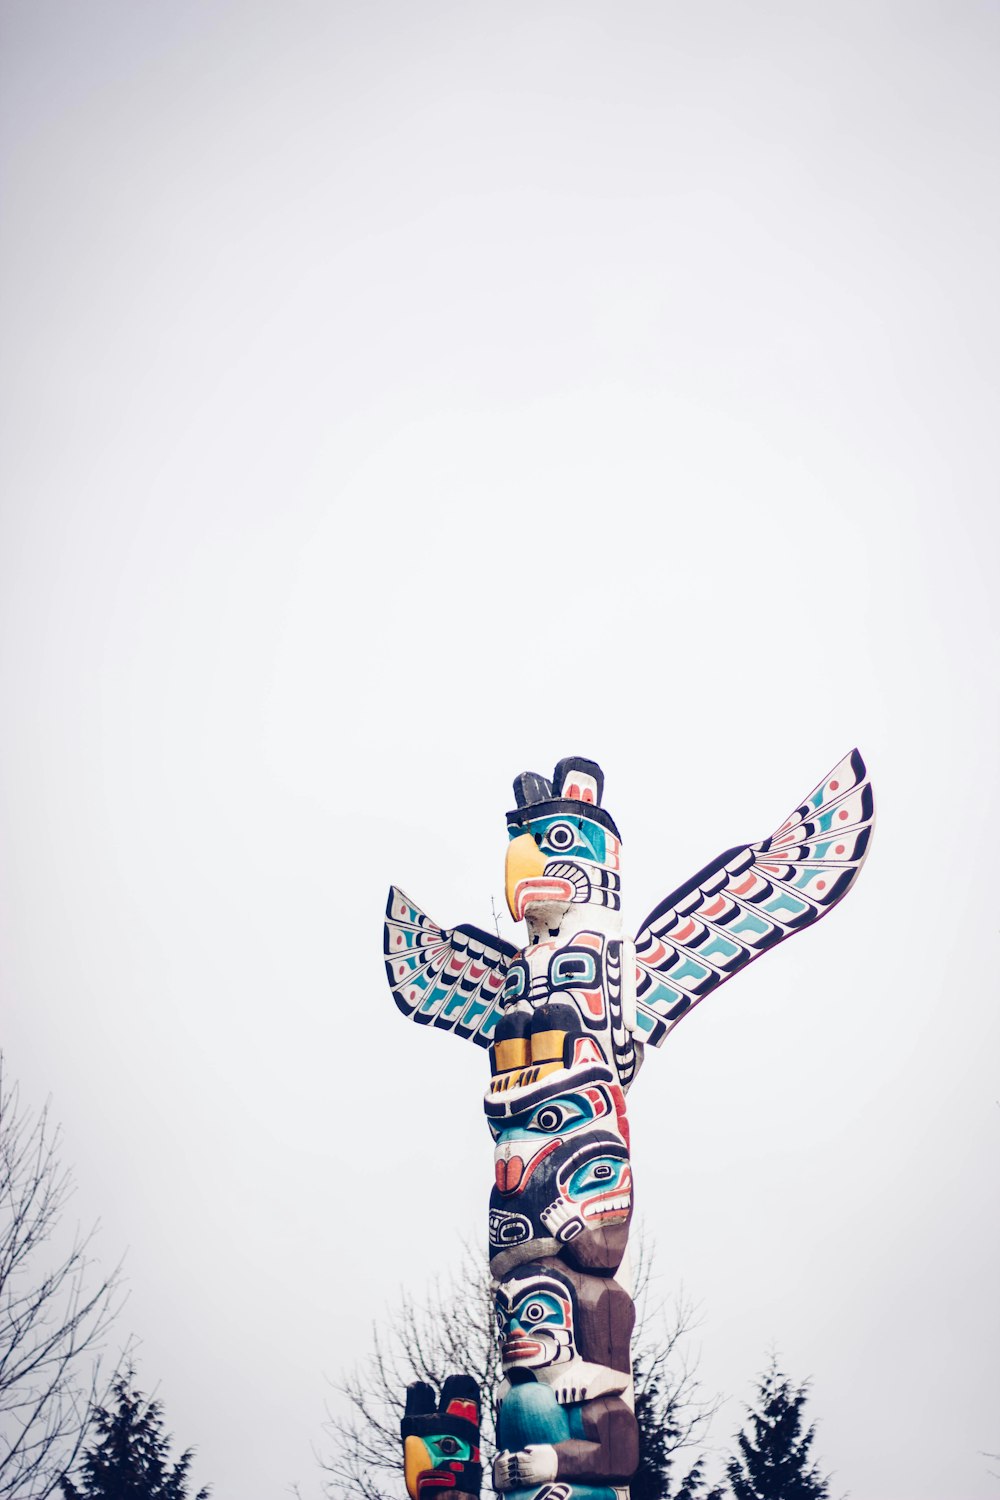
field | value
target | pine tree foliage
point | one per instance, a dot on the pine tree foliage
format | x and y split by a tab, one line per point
130	1458
663	1422
774	1459
694	1485
672	1413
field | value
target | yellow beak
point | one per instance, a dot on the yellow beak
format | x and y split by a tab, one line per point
525	861
416	1458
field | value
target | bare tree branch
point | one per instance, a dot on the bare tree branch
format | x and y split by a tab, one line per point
665	1364
453	1329
55	1309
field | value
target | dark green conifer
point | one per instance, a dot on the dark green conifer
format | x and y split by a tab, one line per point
774	1461
661	1434
130	1458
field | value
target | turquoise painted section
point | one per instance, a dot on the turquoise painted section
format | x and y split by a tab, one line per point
590	840
784	901
751	925
530	1413
720	947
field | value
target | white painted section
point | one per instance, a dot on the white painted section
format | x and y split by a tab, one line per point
628	983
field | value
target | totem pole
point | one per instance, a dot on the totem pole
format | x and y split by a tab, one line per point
566	1019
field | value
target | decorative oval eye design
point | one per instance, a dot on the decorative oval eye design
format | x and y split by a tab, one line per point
600	1176
508	1229
515	984
560	837
448	1446
568	1112
534	1312
573	966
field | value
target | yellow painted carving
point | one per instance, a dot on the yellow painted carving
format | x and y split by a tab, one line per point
416	1458
511	1053
525	861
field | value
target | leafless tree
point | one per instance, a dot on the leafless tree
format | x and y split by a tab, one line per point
673	1413
452	1329
54	1308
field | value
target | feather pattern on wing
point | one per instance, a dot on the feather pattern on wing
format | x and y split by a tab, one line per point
751	898
447	977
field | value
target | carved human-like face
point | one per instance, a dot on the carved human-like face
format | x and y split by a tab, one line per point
535	1319
561	1161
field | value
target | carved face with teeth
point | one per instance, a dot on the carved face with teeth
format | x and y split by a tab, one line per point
562	1169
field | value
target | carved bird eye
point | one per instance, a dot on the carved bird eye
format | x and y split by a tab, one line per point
448	1446
561	836
534	1312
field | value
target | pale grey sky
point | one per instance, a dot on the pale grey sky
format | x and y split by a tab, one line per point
398	396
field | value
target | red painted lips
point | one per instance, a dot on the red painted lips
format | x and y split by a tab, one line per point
429	1481
518	1346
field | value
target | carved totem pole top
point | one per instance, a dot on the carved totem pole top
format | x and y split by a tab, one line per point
566	1019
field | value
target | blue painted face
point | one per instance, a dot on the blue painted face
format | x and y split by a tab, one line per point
535	1310
535	1318
566	836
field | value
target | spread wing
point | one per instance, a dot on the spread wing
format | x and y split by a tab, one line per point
448	977
750	898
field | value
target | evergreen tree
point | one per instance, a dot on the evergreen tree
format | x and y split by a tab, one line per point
664	1428
774	1460
130	1459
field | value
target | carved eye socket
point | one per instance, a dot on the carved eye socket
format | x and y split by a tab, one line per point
534	1312
448	1446
514	984
573	967
560	836
602	1171
549	1118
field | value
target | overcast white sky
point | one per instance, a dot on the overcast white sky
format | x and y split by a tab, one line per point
397	396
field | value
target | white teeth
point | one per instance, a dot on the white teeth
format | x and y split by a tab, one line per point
606	1205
